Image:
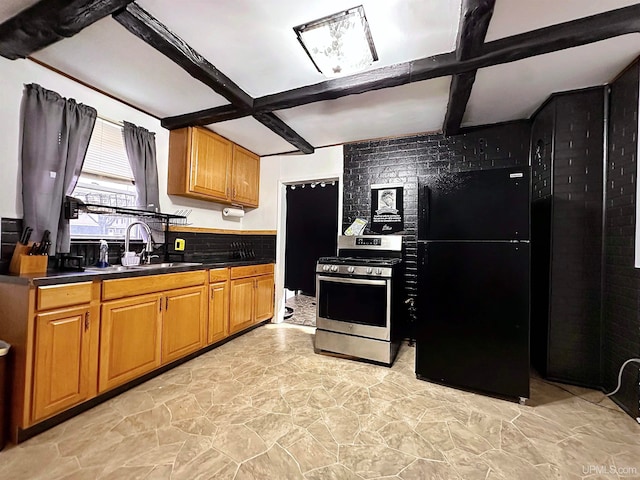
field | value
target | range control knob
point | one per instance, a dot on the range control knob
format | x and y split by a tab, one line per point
369	269
351	269
325	268
334	268
378	271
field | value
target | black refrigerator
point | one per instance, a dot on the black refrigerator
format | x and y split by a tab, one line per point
472	328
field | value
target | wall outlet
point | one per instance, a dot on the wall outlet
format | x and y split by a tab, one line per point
179	245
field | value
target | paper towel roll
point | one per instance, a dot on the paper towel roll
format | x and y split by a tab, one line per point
233	212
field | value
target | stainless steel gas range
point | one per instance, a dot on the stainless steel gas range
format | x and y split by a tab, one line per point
359	298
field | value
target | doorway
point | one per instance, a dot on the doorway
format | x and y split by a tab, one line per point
311	233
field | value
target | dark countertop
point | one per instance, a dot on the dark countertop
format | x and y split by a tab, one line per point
54	277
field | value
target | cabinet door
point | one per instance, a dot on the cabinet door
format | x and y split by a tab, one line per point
218	311
245	177
129	339
241	304
183	322
264	298
210	164
61	370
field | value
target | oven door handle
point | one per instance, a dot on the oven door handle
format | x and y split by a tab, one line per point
358	281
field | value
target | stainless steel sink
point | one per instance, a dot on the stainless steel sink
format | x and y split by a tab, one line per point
112	269
151	266
168	265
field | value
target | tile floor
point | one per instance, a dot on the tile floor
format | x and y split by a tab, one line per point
264	406
304	310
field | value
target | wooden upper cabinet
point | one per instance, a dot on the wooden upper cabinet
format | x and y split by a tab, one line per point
207	166
245	177
199	164
210	160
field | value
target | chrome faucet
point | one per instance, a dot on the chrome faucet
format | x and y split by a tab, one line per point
148	248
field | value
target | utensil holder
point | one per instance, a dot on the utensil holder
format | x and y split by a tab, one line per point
23	263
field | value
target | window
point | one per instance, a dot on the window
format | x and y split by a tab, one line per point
106	179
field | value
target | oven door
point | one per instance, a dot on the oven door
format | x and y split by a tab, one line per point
357	306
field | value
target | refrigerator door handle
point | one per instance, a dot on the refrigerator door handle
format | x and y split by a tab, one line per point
423	212
422	254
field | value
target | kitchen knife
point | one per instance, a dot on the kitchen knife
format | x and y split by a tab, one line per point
26	235
43	243
34	249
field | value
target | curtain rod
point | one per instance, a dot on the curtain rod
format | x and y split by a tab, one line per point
117	123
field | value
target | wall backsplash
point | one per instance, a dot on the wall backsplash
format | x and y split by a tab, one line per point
405	160
200	247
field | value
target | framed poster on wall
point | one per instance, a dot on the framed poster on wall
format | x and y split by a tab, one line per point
387	208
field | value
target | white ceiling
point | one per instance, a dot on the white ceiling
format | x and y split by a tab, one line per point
253	43
515	90
511	17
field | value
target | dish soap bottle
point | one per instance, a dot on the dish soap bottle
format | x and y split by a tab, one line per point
104	255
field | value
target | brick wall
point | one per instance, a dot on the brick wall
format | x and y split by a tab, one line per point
576	237
407	159
621	326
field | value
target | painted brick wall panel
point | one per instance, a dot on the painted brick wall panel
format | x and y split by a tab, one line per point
621	326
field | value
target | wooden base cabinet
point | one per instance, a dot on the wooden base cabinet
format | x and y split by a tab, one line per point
62	368
65	349
129	339
251	296
241	304
183	322
265	287
71	342
165	321
218	312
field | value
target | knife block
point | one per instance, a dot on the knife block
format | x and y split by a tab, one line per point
23	263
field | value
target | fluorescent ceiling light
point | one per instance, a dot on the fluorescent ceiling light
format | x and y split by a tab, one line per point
339	44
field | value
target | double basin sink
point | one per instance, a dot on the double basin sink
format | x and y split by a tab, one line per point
150	266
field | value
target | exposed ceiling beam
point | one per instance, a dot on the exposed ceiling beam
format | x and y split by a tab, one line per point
271	121
48	21
474	22
154	33
150	30
517	47
203	117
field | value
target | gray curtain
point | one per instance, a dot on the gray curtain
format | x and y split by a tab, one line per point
141	150
55	137
140	144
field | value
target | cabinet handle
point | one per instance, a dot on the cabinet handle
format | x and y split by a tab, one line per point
86	321
166	303
160	303
212	292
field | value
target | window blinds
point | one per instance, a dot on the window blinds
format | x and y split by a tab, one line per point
107	156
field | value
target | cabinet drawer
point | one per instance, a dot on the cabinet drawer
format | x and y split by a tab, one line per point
127	287
219	275
55	296
251	270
